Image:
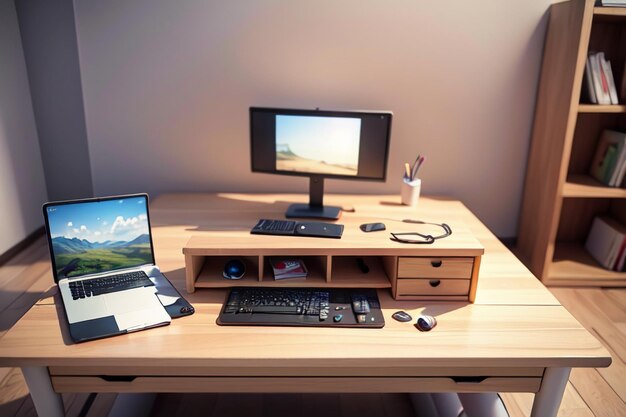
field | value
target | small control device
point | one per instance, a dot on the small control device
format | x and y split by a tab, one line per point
372	227
402	316
294	228
425	323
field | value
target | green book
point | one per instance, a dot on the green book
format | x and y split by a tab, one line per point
608	165
608	156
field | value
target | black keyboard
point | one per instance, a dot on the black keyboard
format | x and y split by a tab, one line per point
108	284
291	228
274	227
326	307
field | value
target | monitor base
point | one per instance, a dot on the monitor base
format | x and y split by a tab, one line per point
306	211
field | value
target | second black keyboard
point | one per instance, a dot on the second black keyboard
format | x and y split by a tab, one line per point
327	307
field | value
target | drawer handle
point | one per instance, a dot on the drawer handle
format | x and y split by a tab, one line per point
436	264
118	378
434	282
468	379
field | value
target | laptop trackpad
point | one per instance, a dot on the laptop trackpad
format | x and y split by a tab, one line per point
85	308
136	308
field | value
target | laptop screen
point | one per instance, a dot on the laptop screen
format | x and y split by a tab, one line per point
98	235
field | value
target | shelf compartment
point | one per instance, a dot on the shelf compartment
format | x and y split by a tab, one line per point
585	186
589	127
573	265
315	265
210	275
346	273
577	214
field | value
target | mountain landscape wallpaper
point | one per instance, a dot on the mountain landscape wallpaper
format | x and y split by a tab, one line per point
99	236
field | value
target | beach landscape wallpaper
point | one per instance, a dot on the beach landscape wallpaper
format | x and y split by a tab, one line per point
99	236
319	145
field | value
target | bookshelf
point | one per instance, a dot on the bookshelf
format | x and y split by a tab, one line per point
560	198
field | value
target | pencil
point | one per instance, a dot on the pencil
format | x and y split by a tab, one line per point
417	158
407	171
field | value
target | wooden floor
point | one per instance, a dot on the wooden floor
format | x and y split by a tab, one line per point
589	393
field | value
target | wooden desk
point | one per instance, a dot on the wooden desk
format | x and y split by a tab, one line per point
516	337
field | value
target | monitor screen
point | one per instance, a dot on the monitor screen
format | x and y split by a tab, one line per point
98	235
349	145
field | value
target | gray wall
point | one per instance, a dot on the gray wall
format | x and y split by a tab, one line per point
167	86
49	37
22	185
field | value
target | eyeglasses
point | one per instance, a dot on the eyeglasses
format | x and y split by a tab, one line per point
421	238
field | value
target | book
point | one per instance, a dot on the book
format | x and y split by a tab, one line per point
620	169
612	3
599	80
591	93
607	73
605	240
621	258
607	163
288	268
622	90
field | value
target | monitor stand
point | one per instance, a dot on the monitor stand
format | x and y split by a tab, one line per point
315	209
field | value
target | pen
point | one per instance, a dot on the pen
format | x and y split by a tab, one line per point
417	167
417	158
407	171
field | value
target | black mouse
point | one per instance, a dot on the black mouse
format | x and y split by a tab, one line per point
426	323
234	269
372	227
402	316
186	309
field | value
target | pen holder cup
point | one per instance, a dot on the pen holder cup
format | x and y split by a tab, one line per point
410	192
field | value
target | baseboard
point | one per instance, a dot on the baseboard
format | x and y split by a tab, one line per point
23	244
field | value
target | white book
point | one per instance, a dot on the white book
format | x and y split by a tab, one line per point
608	73
613	3
603	242
596	70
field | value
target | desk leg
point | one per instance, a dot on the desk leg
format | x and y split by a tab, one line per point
548	399
47	402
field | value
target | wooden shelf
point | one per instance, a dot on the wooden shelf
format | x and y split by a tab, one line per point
601	108
330	262
573	265
609	11
347	274
566	132
584	186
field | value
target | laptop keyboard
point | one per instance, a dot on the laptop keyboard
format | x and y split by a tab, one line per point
113	283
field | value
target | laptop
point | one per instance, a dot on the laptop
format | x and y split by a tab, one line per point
102	262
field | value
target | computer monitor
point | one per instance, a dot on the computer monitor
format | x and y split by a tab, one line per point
319	144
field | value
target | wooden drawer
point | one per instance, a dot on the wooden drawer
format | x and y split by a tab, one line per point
414	267
294	384
433	286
